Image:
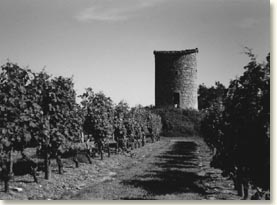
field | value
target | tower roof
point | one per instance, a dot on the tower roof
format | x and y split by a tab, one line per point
180	52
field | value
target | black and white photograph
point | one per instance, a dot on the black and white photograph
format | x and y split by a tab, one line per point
135	100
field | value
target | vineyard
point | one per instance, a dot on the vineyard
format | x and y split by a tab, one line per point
236	126
40	121
40	111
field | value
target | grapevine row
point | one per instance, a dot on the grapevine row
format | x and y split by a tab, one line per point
40	111
237	126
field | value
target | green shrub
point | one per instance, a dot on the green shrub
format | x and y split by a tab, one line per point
179	122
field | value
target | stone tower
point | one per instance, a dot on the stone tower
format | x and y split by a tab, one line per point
176	76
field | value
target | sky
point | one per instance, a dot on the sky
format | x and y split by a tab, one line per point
108	44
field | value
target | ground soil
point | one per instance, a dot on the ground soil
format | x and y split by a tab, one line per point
170	169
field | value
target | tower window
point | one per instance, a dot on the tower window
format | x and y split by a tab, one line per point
176	100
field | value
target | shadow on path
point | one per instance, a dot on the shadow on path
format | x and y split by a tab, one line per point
174	171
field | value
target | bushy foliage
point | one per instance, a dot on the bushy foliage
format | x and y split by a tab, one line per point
60	112
179	122
36	110
39	110
207	96
120	116
18	107
106	122
99	114
238	127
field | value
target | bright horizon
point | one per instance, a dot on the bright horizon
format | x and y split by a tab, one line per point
108	45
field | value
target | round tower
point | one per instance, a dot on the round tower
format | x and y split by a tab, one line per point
176	79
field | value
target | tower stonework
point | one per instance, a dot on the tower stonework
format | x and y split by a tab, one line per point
176	79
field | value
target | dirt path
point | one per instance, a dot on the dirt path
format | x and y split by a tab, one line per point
169	169
172	169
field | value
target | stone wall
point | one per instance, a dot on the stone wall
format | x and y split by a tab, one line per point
176	77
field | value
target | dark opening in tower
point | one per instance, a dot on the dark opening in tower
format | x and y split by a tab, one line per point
176	100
